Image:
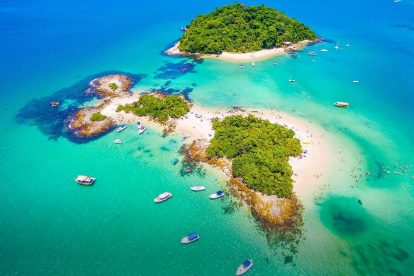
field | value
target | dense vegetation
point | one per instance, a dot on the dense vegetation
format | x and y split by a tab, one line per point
239	28
113	86
159	108
259	150
97	117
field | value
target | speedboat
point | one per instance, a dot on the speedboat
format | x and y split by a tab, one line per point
324	50
346	45
54	104
121	128
198	188
85	180
216	195
192	237
188	170
118	141
175	161
355	81
312	53
244	267
341	104
162	197
292	80
337	46
141	128
253	64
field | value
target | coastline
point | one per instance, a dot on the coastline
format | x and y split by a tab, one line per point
309	169
243	57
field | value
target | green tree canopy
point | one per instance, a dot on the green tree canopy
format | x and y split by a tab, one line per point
260	152
240	28
159	108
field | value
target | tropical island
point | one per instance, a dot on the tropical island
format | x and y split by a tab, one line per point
240	32
260	156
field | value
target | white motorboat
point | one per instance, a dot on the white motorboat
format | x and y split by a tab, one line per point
198	188
292	80
118	141
192	237
85	180
121	128
341	104
141	128
253	64
355	81
324	50
162	197
216	195
244	267
336	47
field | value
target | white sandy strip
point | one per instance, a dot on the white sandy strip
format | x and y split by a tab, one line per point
309	170
243	57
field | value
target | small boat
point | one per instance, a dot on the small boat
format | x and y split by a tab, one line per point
275	63
292	80
216	195
121	128
336	46
241	66
312	53
175	161
197	188
184	29
118	141
85	180
141	128
244	267
162	197
346	45
185	137
54	104
188	170
192	237
253	64
324	50
355	81
341	104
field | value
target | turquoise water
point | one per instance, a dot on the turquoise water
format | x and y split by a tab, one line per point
354	225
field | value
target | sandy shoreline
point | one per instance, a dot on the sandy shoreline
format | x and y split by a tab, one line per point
308	169
243	57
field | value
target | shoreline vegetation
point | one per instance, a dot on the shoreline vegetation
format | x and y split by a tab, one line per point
290	140
240	33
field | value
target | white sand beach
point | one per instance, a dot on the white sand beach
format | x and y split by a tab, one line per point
242	57
309	169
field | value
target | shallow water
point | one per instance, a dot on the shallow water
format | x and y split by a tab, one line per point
355	224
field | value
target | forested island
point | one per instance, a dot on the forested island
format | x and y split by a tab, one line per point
259	151
158	107
240	28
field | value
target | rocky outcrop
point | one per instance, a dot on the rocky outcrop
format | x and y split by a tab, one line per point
83	127
112	85
269	209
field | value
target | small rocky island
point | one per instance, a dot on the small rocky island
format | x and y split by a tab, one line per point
89	122
237	28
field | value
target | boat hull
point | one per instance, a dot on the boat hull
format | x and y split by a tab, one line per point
198	188
159	199
185	240
242	269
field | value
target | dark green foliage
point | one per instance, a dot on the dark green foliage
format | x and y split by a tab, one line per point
159	108
113	86
260	152
239	28
97	117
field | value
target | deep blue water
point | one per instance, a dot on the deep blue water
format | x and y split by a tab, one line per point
50	50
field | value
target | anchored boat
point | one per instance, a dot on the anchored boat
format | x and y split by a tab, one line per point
118	141
216	195
341	104
244	267
121	128
192	237
198	188
141	128
162	197
85	180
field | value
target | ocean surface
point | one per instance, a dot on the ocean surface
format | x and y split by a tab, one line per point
354	225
